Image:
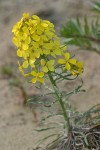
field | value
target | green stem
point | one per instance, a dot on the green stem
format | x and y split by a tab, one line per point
59	97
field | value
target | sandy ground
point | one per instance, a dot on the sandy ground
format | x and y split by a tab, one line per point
16	121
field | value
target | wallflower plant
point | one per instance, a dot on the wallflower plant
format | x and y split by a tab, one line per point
42	57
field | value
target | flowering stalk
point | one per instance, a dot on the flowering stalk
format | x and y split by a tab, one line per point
59	98
41	54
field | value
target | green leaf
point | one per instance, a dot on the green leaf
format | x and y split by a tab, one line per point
43	129
44	139
74	33
53	144
96	7
86	26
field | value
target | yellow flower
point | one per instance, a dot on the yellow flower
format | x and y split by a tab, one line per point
35	39
35	17
34	52
37	77
31	62
67	61
52	48
17	27
19	53
22	71
77	68
25	54
80	67
25	15
31	25
25	64
16	41
47	66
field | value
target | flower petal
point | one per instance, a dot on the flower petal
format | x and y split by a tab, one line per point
35	37
25	46
15	41
40	74
67	56
57	52
25	29
28	40
31	61
68	67
34	80
72	61
45	69
61	61
34	73
51	68
19	53
50	62
35	17
43	62
73	73
25	15
44	24
41	80
46	51
25	64
80	64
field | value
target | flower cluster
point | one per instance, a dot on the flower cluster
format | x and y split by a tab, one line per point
38	46
71	64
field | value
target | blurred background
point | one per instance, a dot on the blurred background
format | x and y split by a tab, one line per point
16	120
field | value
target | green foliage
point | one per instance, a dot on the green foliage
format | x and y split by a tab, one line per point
85	34
91	116
96	6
